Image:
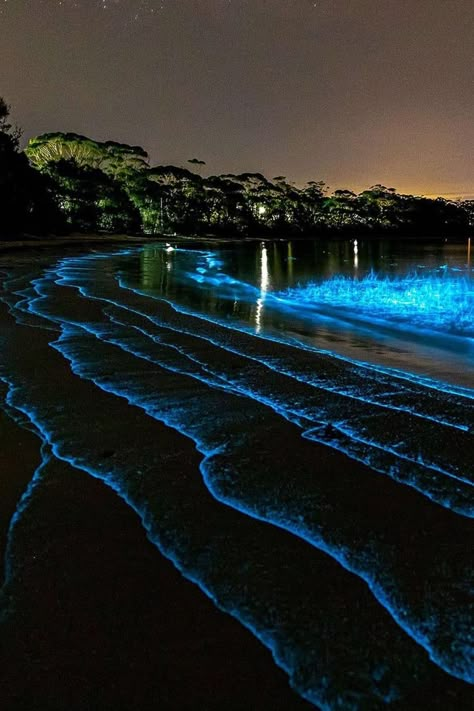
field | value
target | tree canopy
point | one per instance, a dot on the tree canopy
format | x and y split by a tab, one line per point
110	186
111	157
27	204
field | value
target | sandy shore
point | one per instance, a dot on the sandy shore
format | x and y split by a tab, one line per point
19	458
98	619
76	240
95	618
104	622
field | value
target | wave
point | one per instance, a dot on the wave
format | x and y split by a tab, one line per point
245	401
430	301
427	307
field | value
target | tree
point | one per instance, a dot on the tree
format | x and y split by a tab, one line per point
110	186
93	181
115	159
26	204
310	215
467	206
91	200
9	135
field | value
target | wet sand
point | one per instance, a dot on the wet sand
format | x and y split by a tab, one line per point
98	618
77	240
103	621
19	457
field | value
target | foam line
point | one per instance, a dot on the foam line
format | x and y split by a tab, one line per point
274	516
216	454
391	468
380	688
356	446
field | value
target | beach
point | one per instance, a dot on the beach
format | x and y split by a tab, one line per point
174	524
98	619
104	621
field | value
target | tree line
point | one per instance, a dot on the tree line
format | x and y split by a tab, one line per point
64	182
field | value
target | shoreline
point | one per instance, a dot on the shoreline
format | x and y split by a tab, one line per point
69	240
79	240
98	618
20	458
95	616
92	615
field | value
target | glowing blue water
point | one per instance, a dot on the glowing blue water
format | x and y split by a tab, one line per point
429	301
231	391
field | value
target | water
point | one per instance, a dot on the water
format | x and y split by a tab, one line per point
308	468
344	297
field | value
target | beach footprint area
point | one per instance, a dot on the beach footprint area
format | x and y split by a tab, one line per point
320	507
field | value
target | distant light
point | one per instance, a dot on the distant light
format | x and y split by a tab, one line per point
262	209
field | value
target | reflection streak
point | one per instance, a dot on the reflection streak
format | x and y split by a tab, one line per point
264	285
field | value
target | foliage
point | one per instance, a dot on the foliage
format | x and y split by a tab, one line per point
468	207
91	200
109	186
25	196
115	159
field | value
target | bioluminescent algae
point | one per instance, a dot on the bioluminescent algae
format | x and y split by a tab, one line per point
238	396
424	307
443	302
180	413
298	601
343	400
21	508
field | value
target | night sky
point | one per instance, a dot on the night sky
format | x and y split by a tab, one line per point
353	92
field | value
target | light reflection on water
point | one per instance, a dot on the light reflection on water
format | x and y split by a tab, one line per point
243	282
264	286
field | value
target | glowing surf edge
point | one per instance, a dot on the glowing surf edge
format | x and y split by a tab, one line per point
255	516
295	417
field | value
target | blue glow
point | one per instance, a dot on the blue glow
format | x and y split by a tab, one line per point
421	630
427	301
22	506
251	293
422	475
196	366
434	307
393	462
384	687
67	272
194	430
394	468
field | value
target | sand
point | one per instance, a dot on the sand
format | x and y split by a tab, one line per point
95	617
101	619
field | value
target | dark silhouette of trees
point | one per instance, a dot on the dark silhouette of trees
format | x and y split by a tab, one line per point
468	208
95	182
26	203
